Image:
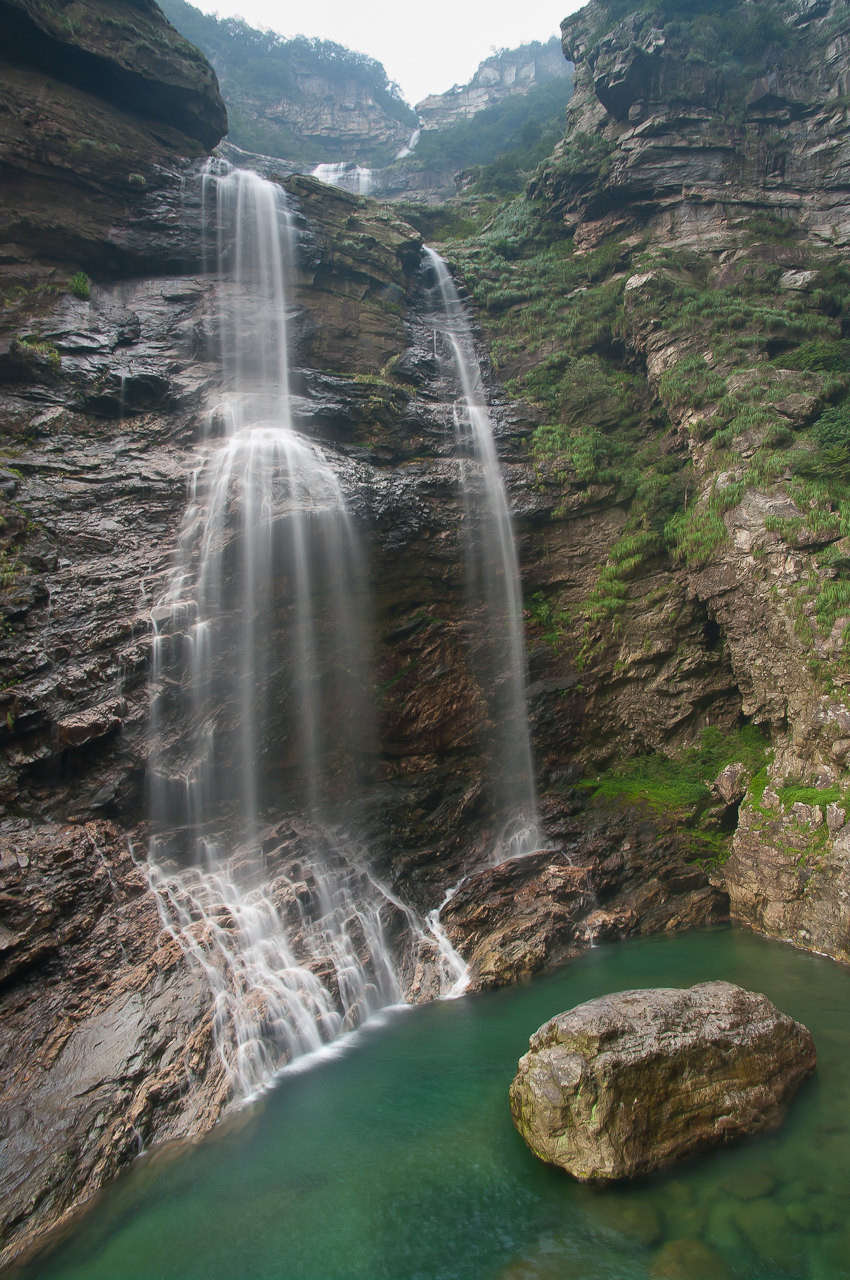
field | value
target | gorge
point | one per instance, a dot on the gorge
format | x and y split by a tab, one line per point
276	481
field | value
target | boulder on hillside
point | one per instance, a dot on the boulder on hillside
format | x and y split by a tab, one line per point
639	1080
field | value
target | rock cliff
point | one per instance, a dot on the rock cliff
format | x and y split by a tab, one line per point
306	101
672	301
107	370
126	98
501	76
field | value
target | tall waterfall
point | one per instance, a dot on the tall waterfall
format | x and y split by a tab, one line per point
259	672
493	577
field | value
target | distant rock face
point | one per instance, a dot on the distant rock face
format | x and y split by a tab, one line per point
638	1081
338	121
306	101
499	77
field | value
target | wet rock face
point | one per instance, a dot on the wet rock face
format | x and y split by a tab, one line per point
103	403
103	1023
637	1081
532	913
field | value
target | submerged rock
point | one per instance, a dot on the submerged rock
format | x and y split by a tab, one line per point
636	1081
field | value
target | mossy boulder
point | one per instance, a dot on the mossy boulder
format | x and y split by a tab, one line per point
639	1080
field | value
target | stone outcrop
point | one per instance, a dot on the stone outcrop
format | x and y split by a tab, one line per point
608	880
503	75
637	1081
87	154
123	53
687	146
104	1023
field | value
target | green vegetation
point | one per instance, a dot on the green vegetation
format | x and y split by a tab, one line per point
502	145
734	38
557	324
818	797
664	783
679	788
763	377
11	568
80	285
551	621
37	346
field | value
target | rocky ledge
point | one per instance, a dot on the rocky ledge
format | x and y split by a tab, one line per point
639	1080
97	103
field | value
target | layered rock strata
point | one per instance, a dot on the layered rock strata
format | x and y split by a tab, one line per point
105	407
87	152
708	196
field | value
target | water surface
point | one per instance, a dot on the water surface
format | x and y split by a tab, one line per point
398	1160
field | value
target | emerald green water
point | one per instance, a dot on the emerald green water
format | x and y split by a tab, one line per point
398	1160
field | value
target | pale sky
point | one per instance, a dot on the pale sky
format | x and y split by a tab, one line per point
425	48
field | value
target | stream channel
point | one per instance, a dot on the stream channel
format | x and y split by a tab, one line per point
396	1159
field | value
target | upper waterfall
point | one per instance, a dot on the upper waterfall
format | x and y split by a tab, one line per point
351	177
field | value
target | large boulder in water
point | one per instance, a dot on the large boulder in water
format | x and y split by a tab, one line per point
638	1080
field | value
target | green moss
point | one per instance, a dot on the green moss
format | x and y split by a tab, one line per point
553	623
666	784
819	797
45	349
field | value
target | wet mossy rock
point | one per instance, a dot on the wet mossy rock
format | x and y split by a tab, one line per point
639	1080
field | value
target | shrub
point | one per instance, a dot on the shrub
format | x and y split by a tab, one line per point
80	285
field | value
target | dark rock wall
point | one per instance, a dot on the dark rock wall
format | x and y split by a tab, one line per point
98	105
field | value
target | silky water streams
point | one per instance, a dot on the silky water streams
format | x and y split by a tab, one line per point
398	1162
492	572
260	715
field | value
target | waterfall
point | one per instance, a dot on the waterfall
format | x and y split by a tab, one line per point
351	177
410	146
493	576
259	721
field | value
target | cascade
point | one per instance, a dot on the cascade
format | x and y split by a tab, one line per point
410	146
492	572
351	177
259	720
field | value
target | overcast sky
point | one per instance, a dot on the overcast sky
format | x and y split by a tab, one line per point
425	48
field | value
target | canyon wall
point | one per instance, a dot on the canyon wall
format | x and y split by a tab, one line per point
667	310
671	301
